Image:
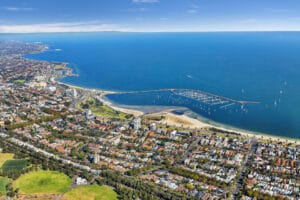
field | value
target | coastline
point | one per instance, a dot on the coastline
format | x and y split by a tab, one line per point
175	119
103	99
183	120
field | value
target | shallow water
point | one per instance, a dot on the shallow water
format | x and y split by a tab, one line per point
264	67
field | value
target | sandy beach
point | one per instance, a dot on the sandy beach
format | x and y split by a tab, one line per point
184	121
192	123
136	113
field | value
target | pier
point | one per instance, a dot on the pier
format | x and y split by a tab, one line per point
200	96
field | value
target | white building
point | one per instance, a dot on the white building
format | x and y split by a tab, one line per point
137	123
96	158
51	89
89	115
153	126
75	93
72	92
81	181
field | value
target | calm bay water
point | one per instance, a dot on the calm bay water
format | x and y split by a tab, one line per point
263	67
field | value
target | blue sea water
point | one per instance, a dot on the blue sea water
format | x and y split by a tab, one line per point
262	66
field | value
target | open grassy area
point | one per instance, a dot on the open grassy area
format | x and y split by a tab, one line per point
154	117
60	67
98	108
43	182
3	183
10	165
4	157
21	81
92	192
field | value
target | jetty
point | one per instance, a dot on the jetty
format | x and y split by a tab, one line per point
200	96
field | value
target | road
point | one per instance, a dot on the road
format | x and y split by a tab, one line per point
49	155
244	169
190	148
82	97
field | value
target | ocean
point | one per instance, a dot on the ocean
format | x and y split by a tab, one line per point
246	66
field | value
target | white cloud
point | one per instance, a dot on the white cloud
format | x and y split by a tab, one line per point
145	1
250	24
137	9
195	6
192	11
15	9
249	21
91	26
163	18
279	10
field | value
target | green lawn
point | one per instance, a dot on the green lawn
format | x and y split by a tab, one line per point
21	81
3	183
43	182
92	192
60	67
4	157
10	165
98	108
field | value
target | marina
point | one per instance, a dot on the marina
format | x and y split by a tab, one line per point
199	96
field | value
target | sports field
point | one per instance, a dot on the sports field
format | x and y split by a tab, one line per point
3	183
4	157
11	165
92	192
43	182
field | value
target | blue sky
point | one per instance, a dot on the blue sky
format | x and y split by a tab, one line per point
148	15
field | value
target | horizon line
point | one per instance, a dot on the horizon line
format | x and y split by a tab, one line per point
119	31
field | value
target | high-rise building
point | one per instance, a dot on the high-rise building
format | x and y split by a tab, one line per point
96	158
89	115
137	123
153	126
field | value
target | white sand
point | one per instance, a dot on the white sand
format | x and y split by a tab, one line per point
182	120
189	122
134	112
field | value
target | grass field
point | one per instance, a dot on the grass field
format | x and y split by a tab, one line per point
98	108
21	81
4	157
60	67
43	182
3	183
13	165
92	192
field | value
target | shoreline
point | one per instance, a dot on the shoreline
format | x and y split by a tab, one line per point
102	98
183	120
200	122
105	101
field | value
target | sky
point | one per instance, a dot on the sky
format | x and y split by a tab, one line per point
25	16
